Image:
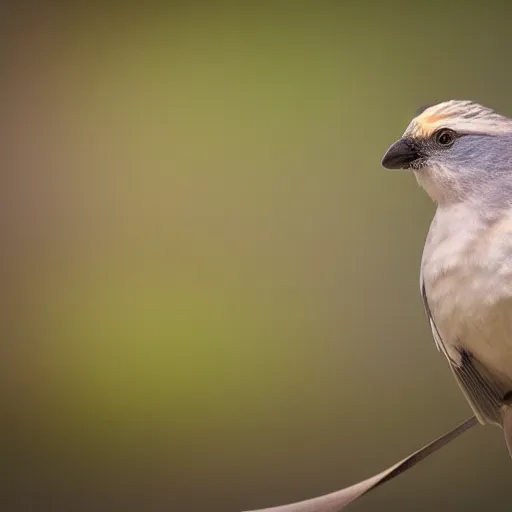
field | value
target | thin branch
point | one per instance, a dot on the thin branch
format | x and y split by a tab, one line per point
338	500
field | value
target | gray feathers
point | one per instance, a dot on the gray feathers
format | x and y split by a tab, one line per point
483	393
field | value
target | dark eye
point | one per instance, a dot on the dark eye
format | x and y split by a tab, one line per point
445	137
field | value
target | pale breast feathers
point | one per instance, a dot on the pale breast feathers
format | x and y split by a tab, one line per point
467	288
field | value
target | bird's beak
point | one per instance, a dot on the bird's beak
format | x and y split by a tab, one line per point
401	154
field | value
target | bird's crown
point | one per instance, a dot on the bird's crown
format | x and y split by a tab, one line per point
458	115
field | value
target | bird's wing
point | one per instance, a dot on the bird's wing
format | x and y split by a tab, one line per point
483	393
435	333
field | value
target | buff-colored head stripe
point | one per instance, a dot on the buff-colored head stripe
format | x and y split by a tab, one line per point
464	116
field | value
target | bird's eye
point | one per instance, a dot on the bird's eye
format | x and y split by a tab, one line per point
445	138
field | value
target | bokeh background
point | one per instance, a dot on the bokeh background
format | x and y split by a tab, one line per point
209	285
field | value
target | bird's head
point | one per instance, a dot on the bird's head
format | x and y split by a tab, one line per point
457	150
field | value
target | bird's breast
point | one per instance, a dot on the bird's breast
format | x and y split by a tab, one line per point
467	272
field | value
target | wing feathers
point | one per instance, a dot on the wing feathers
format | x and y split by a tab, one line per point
483	393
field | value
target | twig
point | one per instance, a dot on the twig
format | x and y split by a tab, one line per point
338	500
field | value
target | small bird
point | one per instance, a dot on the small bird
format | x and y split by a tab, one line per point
461	154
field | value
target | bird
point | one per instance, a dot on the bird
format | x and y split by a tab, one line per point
461	155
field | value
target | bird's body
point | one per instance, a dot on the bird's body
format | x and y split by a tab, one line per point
461	154
468	277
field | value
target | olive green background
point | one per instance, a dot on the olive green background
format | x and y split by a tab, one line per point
210	285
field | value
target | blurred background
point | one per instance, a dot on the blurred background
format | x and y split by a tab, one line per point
210	286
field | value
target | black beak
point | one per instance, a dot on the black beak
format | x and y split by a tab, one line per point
401	154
